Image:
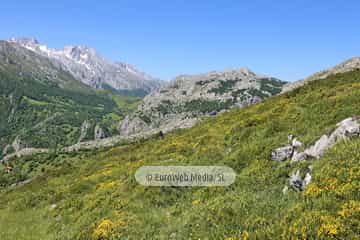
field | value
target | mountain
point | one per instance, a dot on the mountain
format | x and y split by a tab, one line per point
44	106
94	194
87	66
346	66
190	97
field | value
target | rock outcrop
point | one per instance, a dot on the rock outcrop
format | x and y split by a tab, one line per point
17	144
190	97
288	151
299	183
84	130
99	133
346	129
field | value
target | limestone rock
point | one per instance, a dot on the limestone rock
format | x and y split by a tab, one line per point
99	133
282	153
83	130
299	156
132	126
17	144
345	129
189	98
297	182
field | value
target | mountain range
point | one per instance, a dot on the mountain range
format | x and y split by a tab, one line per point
89	67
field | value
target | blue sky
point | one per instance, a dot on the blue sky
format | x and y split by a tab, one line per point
286	39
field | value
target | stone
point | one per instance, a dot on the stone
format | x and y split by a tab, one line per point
299	156
130	126
347	128
285	190
83	130
99	133
17	144
298	183
307	179
296	143
282	153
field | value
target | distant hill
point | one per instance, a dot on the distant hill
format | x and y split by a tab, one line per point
189	97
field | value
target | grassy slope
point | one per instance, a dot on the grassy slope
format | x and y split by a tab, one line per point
97	196
48	111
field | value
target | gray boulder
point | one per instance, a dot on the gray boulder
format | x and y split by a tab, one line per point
299	156
345	129
282	153
298	183
99	133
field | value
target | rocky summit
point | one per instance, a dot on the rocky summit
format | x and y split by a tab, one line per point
189	97
89	67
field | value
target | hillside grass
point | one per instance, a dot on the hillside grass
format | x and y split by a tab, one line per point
97	197
49	116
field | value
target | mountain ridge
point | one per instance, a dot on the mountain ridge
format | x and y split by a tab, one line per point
345	66
89	67
187	98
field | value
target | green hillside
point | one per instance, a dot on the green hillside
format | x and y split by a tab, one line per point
93	195
45	106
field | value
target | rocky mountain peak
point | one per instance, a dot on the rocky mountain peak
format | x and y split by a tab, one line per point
25	41
189	97
89	67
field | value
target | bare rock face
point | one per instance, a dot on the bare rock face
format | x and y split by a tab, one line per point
347	66
288	151
17	144
345	129
188	98
128	127
299	183
99	133
282	153
299	156
87	66
84	129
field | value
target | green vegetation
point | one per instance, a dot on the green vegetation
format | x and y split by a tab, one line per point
206	106
271	85
123	92
224	87
96	196
47	110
